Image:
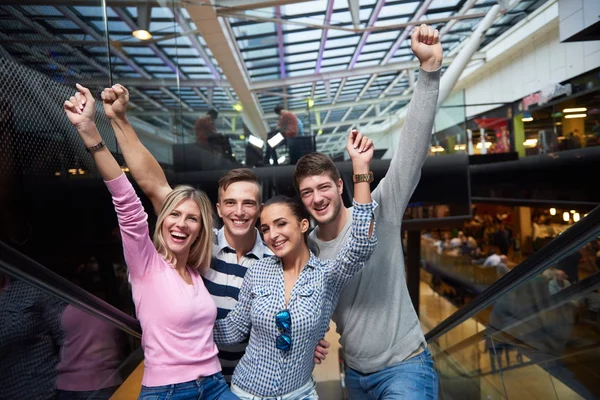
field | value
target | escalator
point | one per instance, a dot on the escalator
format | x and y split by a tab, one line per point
530	334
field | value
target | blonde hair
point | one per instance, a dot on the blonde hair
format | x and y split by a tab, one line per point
201	249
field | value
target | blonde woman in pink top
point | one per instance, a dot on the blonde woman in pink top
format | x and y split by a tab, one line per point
175	310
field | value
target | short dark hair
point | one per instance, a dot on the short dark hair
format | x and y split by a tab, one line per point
278	108
213	113
294	205
314	164
239	175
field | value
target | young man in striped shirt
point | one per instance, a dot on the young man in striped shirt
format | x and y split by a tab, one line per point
237	244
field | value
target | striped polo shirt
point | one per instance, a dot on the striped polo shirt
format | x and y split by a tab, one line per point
223	281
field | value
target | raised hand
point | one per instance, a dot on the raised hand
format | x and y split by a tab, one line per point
360	148
115	100
80	108
425	43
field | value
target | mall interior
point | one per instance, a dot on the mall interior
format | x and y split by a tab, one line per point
501	236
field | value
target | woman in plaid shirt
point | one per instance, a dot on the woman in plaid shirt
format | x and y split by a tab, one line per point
286	301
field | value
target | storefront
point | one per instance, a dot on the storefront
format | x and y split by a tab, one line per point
561	116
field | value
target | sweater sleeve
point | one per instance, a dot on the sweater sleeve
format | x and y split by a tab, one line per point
357	249
235	327
396	188
138	249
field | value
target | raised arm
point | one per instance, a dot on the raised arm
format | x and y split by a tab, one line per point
235	327
138	249
143	166
363	240
396	188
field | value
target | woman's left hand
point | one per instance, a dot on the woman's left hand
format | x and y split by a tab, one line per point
360	148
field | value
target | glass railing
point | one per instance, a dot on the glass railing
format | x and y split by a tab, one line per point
73	342
534	333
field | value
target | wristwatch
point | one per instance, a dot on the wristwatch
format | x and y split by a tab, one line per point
95	147
363	177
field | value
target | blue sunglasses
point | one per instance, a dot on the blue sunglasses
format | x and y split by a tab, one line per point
283	320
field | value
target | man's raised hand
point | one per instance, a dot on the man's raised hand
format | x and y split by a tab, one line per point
425	43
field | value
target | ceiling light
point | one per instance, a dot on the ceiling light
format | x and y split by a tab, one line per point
577	109
258	142
310	103
487	145
460	147
142	34
553	211
530	143
571	116
573	211
437	149
566	216
271	161
238	107
242	137
320	132
527	119
281	160
576	217
275	140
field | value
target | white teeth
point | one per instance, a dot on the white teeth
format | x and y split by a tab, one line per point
277	244
179	235
235	222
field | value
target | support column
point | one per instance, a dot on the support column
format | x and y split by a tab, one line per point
413	266
519	135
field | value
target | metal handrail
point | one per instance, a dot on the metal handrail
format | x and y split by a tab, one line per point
565	244
27	270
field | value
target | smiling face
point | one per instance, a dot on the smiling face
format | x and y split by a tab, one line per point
238	207
181	227
321	196
282	230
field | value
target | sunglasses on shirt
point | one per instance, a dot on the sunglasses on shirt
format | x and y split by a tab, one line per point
283	320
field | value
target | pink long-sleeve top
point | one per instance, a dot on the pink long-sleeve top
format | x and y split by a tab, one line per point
177	319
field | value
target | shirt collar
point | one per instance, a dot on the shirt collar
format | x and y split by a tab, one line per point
313	261
260	249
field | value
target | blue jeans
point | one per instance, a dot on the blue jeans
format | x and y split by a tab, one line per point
412	379
211	387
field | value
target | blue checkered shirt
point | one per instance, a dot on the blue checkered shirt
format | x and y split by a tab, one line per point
264	370
223	281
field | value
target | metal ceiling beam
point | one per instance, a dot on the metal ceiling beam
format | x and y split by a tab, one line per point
187	30
322	76
280	44
328	13
309	25
89	3
355	12
363	39
220	40
66	11
253	4
168	82
352	122
155	49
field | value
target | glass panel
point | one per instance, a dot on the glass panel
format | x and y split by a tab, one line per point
73	353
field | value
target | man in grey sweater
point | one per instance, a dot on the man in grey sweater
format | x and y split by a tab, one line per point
384	346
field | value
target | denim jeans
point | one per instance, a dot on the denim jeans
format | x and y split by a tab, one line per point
412	379
211	387
306	392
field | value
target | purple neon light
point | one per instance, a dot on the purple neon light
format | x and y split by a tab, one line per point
324	36
365	35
